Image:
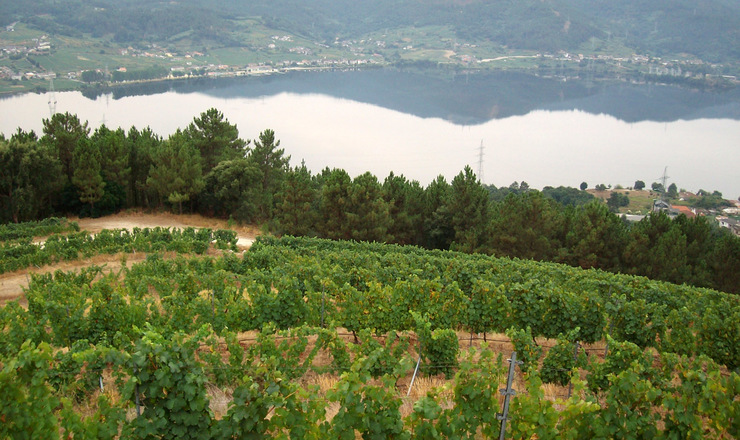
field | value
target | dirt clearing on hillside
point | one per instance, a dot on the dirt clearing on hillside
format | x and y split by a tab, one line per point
13	283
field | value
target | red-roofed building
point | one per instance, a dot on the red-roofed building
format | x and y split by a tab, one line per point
688	212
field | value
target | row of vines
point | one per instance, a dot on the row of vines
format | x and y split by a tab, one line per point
23	253
161	386
41	228
163	330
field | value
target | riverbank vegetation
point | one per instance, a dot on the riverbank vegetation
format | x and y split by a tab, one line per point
208	168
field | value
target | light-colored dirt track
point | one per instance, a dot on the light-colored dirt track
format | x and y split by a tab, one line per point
13	283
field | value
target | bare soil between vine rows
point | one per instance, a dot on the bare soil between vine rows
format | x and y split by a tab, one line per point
12	284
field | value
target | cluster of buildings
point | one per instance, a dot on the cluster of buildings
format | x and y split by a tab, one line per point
724	217
8	73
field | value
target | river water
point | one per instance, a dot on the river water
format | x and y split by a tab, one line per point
507	127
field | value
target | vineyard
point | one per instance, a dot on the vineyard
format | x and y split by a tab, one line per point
313	338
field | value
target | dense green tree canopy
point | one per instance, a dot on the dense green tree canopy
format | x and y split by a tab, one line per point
437	222
176	173
235	185
617	200
335	204
296	211
469	209
29	174
367	217
272	164
527	226
62	132
87	177
215	138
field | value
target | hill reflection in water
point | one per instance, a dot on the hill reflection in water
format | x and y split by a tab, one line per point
467	99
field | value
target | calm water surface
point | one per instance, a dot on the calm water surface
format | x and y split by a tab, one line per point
544	132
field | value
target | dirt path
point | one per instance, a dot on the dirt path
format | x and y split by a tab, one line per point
13	283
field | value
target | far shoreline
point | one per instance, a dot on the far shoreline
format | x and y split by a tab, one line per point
100	89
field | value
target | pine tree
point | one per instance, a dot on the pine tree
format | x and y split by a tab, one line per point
115	153
438	230
87	177
470	212
142	144
29	174
367	215
405	206
235	187
334	204
176	173
273	165
63	132
215	138
527	225
595	238
297	213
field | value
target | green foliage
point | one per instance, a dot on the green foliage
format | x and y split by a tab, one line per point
30	175
489	308
381	359
617	200
629	402
293	410
103	424
568	196
527	225
532	415
40	228
718	327
283	306
171	386
367	212
81	244
17	326
470	213
296	214
62	133
115	160
633	393
334	204
596	238
176	172
475	397
638	322
405	206
437	348
439	231
231	188
621	355
215	138
679	335
272	164
700	402
528	352
370	410
140	169
27	402
86	176
558	365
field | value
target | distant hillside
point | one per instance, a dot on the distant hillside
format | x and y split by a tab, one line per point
709	29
